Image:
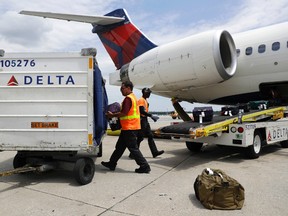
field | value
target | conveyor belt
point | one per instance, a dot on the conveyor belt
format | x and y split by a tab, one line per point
196	130
184	127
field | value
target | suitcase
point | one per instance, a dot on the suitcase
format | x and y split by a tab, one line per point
216	190
259	105
229	110
114	107
114	122
244	106
206	112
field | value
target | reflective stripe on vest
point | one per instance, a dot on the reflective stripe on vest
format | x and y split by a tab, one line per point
132	120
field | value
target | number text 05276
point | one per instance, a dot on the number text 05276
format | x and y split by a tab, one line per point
18	63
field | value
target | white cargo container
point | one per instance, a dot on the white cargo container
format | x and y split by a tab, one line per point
47	108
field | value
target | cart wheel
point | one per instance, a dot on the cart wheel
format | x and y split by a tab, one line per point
194	146
253	151
19	161
84	170
284	144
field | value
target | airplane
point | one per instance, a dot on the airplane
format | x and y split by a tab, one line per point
211	67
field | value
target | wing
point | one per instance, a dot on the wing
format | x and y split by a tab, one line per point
98	20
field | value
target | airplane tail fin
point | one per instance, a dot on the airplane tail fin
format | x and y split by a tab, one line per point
123	41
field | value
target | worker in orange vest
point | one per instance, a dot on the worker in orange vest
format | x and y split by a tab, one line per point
129	116
145	126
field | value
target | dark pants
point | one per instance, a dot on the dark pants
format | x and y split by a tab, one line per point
146	131
128	139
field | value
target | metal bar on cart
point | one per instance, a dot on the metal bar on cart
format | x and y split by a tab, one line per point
19	170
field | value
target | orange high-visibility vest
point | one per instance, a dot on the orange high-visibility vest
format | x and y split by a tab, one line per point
144	103
132	120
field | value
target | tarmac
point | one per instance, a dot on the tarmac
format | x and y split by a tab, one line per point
167	190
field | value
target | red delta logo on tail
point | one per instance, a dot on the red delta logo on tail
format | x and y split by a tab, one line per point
123	41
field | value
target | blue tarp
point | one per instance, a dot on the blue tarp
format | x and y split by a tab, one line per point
100	105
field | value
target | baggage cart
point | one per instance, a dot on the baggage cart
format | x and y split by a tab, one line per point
52	110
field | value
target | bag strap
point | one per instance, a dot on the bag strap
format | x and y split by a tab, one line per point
225	183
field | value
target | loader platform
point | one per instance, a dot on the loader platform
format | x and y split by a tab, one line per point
194	130
185	127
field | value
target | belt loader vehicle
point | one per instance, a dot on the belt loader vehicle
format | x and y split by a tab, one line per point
52	111
249	131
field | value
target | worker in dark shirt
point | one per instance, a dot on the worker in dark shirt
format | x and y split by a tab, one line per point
145	126
129	116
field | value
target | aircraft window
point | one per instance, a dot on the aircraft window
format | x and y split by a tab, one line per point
262	48
249	50
275	46
238	51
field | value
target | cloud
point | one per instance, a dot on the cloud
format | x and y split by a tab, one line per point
27	33
235	17
258	13
16	30
47	34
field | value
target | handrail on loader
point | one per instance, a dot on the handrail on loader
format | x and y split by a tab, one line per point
275	113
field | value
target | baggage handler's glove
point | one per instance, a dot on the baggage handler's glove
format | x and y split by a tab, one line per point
155	118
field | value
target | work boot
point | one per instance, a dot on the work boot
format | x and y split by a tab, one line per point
109	165
143	169
158	153
153	148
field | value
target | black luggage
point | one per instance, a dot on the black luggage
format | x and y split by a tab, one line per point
114	122
216	190
229	110
205	112
244	106
259	105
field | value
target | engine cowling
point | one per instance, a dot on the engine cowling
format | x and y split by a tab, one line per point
199	60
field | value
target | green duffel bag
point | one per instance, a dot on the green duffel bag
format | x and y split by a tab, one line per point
216	190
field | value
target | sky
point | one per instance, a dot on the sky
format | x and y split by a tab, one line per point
160	20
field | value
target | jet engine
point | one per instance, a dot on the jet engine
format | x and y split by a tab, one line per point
199	60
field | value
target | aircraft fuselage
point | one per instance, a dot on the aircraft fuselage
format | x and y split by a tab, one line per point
261	66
